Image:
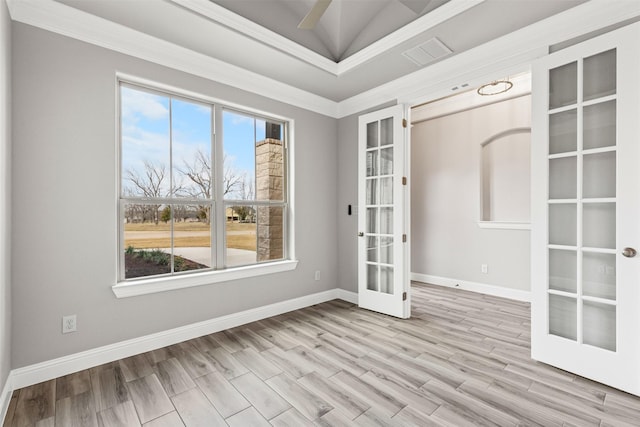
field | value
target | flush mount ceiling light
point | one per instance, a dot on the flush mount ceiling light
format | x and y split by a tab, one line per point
495	88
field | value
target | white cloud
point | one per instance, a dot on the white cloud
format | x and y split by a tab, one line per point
136	103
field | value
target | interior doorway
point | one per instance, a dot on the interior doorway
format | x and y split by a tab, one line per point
470	189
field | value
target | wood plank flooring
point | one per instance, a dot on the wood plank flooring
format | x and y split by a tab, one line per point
462	359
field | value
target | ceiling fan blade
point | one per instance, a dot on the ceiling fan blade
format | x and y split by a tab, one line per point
309	22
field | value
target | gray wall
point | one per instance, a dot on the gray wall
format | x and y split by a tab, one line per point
5	194
445	199
64	203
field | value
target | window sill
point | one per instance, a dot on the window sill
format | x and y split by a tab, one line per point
505	225
162	284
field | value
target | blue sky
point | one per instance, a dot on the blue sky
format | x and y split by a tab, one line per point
146	130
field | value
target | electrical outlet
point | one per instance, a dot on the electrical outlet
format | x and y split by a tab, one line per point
69	324
484	268
317	275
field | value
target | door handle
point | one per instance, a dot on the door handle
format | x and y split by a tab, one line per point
360	234
629	252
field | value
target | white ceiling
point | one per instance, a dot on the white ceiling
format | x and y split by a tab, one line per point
366	36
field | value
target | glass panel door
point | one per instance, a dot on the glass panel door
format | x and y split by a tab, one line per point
379	219
383	281
582	201
585	277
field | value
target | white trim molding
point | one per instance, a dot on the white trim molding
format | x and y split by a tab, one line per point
510	54
44	371
5	398
249	28
62	19
504	225
481	288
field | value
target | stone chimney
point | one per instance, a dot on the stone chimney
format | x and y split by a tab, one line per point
270	186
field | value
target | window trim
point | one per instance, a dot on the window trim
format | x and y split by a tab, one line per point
152	284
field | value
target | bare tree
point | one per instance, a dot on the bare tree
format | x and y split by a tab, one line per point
149	184
199	174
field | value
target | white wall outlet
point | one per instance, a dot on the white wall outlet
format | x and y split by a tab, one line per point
317	275
484	268
69	324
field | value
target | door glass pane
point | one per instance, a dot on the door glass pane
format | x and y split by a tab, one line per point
563	85
372	220
372	134
386	161
386	279
386	220
563	178
562	270
599	325
386	191
372	163
386	250
600	75
563	317
599	225
599	125
599	275
599	175
372	249
563	132
386	131
562	224
372	196
372	277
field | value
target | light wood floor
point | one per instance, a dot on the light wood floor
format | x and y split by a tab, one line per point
462	359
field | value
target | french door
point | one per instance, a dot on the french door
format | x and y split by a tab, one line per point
383	262
586	209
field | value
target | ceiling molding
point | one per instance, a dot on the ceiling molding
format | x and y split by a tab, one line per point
59	18
509	54
249	28
412	29
236	22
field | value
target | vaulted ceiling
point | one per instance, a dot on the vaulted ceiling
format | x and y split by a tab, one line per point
357	45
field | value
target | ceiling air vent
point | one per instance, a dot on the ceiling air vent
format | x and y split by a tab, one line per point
427	52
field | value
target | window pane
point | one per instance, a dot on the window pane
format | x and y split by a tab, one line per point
241	231
191	237
145	143
191	132
239	143
270	231
147	240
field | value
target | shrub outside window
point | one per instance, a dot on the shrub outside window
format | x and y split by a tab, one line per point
194	198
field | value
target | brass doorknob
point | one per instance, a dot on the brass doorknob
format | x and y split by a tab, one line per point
629	252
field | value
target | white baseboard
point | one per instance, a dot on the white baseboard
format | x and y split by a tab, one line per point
498	291
348	296
5	398
44	371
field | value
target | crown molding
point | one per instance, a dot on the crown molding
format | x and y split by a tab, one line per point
59	18
249	28
510	54
403	34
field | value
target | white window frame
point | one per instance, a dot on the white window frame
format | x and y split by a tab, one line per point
152	284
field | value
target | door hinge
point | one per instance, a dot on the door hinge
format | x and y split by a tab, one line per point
404	180
404	296
404	238
404	123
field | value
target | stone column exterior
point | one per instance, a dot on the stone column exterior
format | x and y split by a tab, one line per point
270	186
